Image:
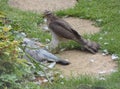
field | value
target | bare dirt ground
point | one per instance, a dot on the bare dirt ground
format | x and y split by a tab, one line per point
81	62
42	5
86	63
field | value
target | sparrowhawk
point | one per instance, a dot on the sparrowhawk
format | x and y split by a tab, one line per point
61	29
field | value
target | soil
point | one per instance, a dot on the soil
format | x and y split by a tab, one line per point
81	62
86	63
42	5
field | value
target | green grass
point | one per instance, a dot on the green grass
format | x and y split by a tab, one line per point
25	21
106	14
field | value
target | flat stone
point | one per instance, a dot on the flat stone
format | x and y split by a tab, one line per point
42	5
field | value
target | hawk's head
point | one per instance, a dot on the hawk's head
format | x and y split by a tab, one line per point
47	13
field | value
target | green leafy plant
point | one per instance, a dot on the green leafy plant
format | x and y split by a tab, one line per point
13	69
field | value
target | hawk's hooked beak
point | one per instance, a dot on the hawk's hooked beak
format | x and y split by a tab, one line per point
46	14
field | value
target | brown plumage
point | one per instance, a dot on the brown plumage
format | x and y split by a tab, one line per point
61	29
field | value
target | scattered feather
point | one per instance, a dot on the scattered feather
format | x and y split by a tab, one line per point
47	40
45	80
105	52
99	20
113	70
106	43
61	76
41	73
62	82
100	38
63	49
114	57
45	20
102	72
105	32
112	39
102	78
52	65
92	60
67	59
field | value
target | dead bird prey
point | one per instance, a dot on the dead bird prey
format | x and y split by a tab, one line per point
60	30
39	54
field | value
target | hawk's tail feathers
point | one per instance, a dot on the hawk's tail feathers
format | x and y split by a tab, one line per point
91	46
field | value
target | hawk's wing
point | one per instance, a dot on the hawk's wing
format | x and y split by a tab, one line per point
63	29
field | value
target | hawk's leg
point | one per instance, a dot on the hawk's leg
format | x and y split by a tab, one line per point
53	45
